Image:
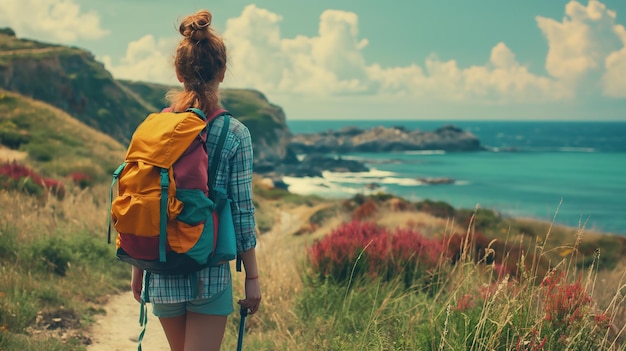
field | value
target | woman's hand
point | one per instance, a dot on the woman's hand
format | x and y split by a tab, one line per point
136	283
253	288
253	295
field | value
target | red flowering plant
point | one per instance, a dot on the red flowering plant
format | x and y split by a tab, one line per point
465	302
565	303
414	256
359	249
336	254
14	176
569	316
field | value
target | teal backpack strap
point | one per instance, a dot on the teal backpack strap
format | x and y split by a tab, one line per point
165	184
198	112
215	164
143	309
218	151
116	176
143	323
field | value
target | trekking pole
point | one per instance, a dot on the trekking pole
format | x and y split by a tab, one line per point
243	311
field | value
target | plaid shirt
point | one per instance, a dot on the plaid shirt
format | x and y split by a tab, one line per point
235	174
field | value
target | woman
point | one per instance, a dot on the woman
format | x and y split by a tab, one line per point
193	309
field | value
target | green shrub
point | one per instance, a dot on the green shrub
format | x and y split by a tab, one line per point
439	209
11	136
483	219
25	185
8	243
606	252
18	309
52	254
41	152
319	217
90	250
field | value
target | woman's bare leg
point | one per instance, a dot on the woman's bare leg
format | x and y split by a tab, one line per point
204	332
174	328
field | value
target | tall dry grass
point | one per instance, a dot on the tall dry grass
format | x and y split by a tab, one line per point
280	256
33	217
56	268
476	306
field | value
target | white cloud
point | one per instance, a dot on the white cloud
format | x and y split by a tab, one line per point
332	63
502	80
146	59
60	21
503	57
579	44
585	45
614	78
254	48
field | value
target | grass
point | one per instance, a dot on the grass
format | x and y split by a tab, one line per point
9	42
474	306
55	143
56	269
57	273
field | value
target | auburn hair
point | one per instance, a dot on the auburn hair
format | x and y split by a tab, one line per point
200	62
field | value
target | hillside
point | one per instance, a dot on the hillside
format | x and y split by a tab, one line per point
52	141
71	80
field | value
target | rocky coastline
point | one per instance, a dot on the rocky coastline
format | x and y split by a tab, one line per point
385	139
310	154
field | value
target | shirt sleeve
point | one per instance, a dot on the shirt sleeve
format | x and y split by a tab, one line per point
241	192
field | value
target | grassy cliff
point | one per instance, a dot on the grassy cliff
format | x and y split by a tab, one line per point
53	142
71	80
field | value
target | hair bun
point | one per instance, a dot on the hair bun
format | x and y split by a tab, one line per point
196	27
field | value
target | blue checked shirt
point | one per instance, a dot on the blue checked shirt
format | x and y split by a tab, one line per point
235	174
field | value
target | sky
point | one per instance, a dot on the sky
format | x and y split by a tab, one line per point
370	59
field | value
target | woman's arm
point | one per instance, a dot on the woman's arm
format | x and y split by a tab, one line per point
253	287
136	283
240	190
243	217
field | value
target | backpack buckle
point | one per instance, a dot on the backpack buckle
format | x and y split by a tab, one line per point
165	179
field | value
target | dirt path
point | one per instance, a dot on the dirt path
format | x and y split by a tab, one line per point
118	329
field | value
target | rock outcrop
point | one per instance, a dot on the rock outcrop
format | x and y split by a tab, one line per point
385	139
267	125
313	166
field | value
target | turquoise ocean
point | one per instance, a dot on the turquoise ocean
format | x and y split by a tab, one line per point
572	173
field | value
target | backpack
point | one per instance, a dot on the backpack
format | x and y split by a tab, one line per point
165	212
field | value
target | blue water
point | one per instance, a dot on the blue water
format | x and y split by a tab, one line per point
572	172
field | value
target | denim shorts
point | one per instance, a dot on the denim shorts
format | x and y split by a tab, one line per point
220	304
